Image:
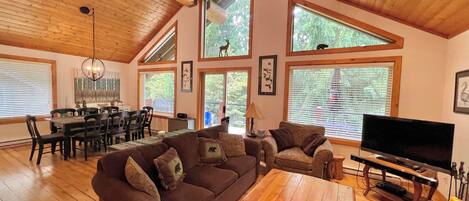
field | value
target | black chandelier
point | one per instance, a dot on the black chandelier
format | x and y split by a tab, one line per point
92	67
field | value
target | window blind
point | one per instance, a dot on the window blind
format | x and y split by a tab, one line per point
336	97
158	91
25	88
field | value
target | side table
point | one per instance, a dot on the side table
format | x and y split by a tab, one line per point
336	170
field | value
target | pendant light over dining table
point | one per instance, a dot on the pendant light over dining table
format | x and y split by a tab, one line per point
92	67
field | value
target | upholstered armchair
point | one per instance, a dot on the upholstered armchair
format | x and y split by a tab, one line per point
294	159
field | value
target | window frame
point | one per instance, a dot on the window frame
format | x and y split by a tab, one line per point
20	119
395	94
398	41
140	88
141	61
202	31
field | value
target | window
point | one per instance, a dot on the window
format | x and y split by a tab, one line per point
26	87
312	26
164	50
158	90
337	95
234	32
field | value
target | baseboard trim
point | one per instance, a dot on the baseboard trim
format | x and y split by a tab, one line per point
15	143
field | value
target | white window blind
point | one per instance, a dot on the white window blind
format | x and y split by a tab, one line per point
336	97
25	88
158	91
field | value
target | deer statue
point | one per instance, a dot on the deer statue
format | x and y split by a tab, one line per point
224	48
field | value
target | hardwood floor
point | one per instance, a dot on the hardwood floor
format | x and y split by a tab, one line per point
55	179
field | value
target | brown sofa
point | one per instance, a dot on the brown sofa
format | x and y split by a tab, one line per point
294	159
226	182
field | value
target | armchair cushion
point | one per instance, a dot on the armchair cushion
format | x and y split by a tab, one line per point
300	131
310	149
283	137
294	158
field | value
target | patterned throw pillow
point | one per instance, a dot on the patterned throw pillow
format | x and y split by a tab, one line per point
233	144
139	179
211	151
170	169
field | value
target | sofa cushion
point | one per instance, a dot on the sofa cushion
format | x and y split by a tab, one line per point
149	153
210	177
113	164
187	146
283	137
211	132
300	131
294	158
233	144
139	179
187	192
211	151
170	169
240	164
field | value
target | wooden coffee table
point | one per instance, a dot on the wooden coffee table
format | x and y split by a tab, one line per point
282	185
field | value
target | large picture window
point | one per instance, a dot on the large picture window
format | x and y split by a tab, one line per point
233	33
158	90
337	95
26	86
316	30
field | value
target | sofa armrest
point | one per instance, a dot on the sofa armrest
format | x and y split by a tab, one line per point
253	148
270	148
321	158
111	189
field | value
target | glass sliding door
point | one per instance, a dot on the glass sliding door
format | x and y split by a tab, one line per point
225	94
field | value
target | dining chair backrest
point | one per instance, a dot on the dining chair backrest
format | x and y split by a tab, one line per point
59	113
117	121
142	116
149	115
93	124
132	119
110	109
32	127
87	111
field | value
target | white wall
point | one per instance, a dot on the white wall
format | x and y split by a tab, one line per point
65	94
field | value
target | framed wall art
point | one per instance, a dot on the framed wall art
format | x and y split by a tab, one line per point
267	75
186	76
461	93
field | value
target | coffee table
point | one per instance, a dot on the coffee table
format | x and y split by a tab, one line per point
282	185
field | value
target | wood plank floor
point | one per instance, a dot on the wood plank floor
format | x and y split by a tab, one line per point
55	179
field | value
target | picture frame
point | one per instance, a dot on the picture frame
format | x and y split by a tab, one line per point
267	85
461	92
186	76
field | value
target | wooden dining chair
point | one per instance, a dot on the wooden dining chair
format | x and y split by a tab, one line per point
110	109
92	134
62	112
142	116
41	140
87	111
116	128
148	119
132	128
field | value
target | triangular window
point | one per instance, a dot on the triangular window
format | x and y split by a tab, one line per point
318	30
164	50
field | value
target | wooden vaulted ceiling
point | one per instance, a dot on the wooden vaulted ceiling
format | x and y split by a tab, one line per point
123	27
445	18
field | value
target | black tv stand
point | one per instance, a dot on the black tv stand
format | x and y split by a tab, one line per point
417	168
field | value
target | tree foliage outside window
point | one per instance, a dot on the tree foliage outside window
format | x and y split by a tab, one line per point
337	97
311	29
235	29
159	91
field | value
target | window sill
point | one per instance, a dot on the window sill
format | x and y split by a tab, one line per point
20	119
225	58
346	142
163	115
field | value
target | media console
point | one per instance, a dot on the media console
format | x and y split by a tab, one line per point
418	178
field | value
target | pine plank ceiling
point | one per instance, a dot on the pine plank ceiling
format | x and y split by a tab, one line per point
445	18
123	27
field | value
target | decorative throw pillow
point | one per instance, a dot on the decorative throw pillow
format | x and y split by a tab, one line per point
233	144
283	138
308	139
211	151
313	145
139	179
170	169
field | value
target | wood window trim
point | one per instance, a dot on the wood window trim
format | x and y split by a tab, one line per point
149	70
53	64
200	91
396	85
398	40
141	61
201	52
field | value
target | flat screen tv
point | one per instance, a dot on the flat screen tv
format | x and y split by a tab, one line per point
416	142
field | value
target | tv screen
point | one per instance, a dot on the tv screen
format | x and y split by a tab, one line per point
425	143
